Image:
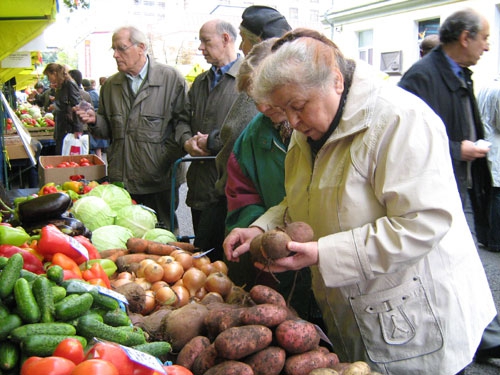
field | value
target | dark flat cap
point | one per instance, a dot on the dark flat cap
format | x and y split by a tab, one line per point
86	83
265	22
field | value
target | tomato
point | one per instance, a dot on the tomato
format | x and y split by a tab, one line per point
114	354
71	349
95	367
49	166
84	160
177	370
84	164
47	366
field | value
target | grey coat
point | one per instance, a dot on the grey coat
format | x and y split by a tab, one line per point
142	150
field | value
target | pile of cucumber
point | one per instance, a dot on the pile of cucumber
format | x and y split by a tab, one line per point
39	311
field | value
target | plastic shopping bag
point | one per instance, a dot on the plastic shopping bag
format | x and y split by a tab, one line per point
75	146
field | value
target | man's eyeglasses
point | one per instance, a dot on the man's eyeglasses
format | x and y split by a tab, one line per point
121	49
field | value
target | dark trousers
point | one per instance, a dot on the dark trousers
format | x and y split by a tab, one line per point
494	230
210	228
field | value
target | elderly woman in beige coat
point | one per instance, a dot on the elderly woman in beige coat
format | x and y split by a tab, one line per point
395	269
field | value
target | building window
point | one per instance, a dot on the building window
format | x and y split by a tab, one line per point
314	15
365	46
294	13
428	27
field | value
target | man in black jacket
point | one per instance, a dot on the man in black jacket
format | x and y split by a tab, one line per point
443	80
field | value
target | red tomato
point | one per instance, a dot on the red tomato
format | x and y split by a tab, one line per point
177	370
114	354
49	166
84	164
95	367
47	366
71	349
84	160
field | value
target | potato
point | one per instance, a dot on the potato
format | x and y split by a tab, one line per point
358	368
323	371
297	336
206	360
304	363
184	323
264	294
239	342
230	368
191	351
268	361
266	314
221	318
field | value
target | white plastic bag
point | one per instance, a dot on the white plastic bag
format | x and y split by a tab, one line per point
75	146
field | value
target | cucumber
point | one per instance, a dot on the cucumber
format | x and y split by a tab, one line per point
44	345
28	275
156	349
58	292
103	301
9	323
10	274
3	262
55	273
20	334
42	290
4	311
90	327
27	308
9	355
117	318
73	306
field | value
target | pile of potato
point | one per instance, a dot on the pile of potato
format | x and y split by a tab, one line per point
264	337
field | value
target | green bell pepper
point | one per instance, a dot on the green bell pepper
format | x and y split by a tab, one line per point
13	235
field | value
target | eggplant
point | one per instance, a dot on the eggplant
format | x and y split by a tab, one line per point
44	207
67	224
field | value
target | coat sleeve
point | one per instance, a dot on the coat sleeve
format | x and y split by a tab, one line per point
243	199
74	97
421	84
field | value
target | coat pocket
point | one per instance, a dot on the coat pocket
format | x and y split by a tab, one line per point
397	323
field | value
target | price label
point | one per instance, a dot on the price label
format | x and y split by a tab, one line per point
146	360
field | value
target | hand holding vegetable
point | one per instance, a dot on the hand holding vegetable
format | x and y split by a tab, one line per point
305	254
238	242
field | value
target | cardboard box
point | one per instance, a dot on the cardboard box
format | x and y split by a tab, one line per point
60	175
15	147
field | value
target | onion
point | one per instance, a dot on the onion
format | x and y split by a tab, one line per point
164	259
182	296
200	294
220	266
219	283
153	272
142	282
207	268
142	265
125	275
149	303
165	296
193	279
198	262
158	284
183	257
119	282
172	271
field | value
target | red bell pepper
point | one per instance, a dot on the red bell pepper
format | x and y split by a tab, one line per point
53	241
69	266
96	272
31	262
93	252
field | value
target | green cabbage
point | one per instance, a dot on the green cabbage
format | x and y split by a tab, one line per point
111	237
159	235
137	218
93	212
115	196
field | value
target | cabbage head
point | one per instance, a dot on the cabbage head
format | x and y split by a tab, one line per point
159	235
110	237
137	218
115	196
93	212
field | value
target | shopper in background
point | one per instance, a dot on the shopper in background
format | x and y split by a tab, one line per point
138	110
36	96
211	96
78	78
67	95
488	100
392	254
96	145
428	43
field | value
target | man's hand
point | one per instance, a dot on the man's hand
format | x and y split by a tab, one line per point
192	145
470	151
87	116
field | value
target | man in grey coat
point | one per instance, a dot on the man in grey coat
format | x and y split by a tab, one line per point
138	109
